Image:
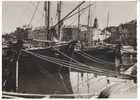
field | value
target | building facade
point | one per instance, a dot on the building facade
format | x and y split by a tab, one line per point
70	33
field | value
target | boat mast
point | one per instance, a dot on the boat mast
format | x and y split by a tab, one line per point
107	18
79	22
59	3
47	17
78	74
88	24
107	24
69	13
88	17
79	18
88	28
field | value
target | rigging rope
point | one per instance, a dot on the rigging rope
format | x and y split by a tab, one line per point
82	10
96	59
81	64
84	65
108	72
69	13
58	62
80	67
36	7
79	11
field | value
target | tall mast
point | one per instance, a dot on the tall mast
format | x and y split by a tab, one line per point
89	17
59	18
69	13
88	27
78	39
78	17
107	18
107	23
47	17
79	22
88	24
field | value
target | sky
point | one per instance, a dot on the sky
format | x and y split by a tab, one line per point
16	14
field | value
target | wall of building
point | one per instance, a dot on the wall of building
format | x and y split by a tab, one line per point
70	33
21	33
39	34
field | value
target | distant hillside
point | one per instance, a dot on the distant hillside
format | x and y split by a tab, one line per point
124	33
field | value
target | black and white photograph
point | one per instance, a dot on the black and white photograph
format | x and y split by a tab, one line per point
69	49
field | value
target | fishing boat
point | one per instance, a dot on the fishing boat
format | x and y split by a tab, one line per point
45	72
